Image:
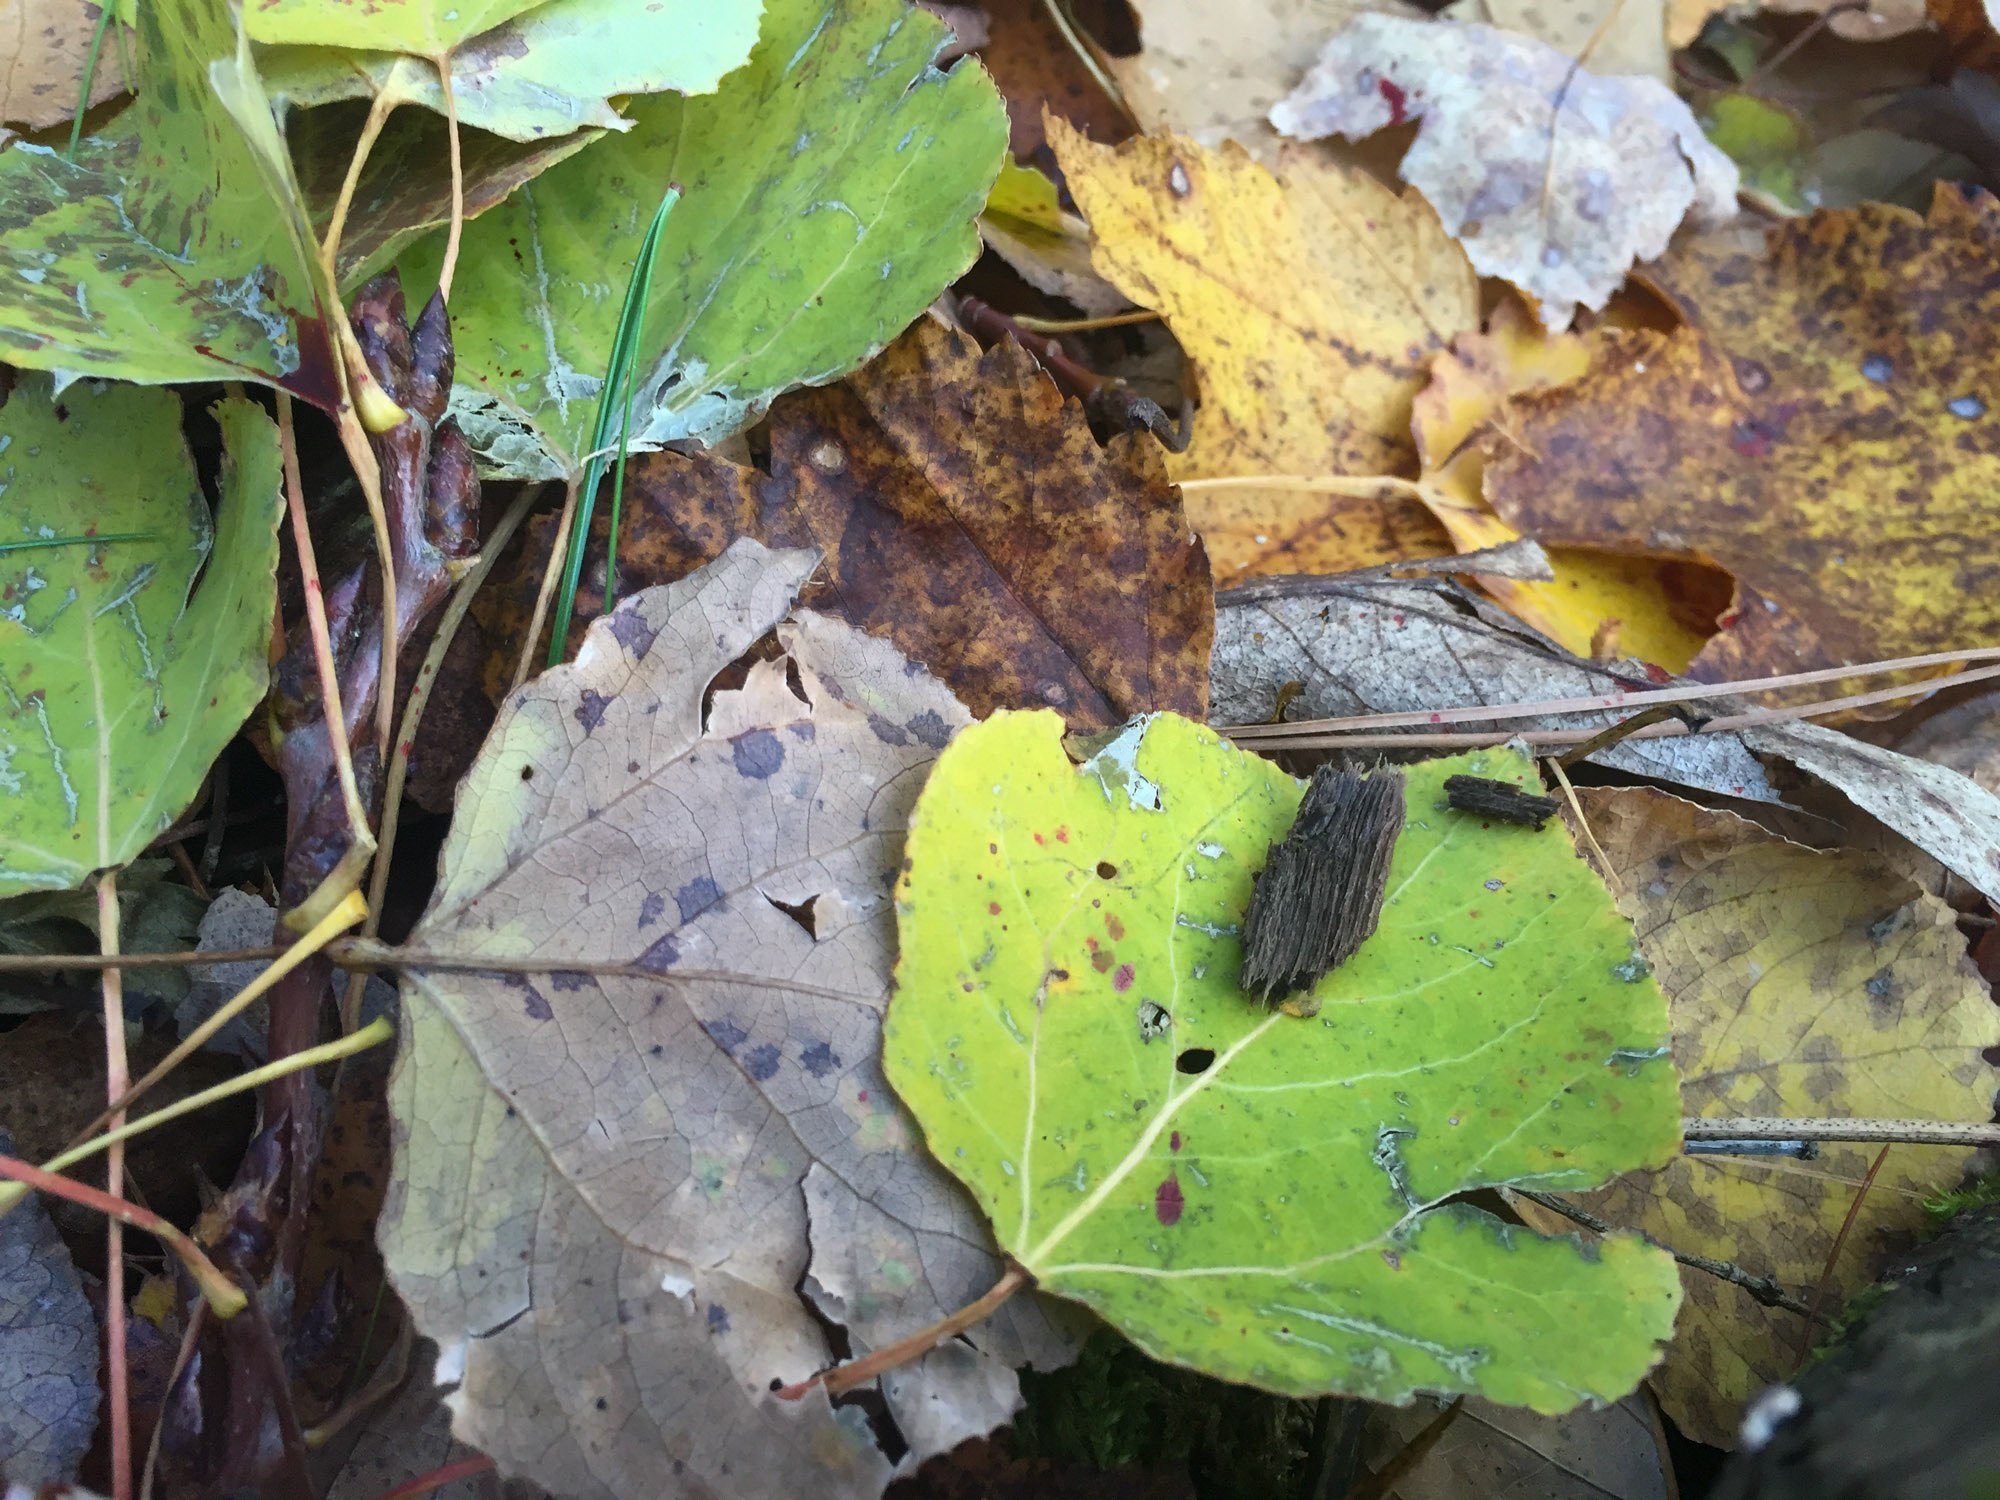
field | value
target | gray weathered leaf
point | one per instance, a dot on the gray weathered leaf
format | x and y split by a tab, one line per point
48	1351
1374	646
599	1209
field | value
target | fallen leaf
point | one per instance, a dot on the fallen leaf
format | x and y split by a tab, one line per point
832	185
1268	1198
405	1438
1874	21
544	73
1378	646
1658	610
1811	431
48	1351
1964	738
125	679
1035	68
1310	305
1592	1453
597	1207
1802	982
1560	200
1609	37
964	511
1026	225
1212	72
173	248
47	43
405	188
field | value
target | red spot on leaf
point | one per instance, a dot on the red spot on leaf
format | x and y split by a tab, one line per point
1113	926
1168	1202
1040	840
1658	674
1102	962
1174	1140
993	908
1398	101
862	1096
1062	834
1122	980
1474	912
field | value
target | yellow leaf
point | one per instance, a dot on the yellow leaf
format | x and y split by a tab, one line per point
1310	304
1806	983
1659	610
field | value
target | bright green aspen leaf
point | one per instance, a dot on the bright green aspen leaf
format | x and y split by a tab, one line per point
425	27
120	679
1269	1198
831	188
173	247
546	73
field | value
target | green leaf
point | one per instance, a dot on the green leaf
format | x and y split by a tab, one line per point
832	186
1267	1198
117	687
546	73
425	27
173	248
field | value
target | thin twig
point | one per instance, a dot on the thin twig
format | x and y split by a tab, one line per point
1839	1244
1364	487
1763	1288
450	263
1583	827
846	1377
1414	1452
197	1320
1688	692
317	628
551	577
413	717
32	963
279	1381
1890	1132
451	1473
1085	325
378	116
117	1390
376	1032
222	1293
1093	65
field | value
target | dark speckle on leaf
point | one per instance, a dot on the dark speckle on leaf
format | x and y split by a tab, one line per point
630	630
651	907
886	731
718	1318
534	1003
758	753
761	1062
590	712
568	979
696	897
1168	1202
726	1034
819	1059
930	727
664	954
803	731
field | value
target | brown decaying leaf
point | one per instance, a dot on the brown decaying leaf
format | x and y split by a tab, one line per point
966	514
1801	982
1036	69
44	44
1492	1452
1552	177
1828	430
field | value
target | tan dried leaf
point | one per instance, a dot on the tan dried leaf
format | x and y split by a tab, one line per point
44	44
600	1208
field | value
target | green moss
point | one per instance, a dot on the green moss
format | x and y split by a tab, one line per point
1941	1209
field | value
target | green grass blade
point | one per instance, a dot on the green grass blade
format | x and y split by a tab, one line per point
31	543
618	380
89	77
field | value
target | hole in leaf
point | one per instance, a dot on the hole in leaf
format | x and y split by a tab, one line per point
1106	870
1195	1060
801	914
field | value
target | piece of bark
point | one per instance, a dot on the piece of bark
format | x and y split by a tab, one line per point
1498	799
1319	895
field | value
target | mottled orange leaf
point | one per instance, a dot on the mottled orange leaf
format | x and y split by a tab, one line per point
1825	429
966	513
1600	603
